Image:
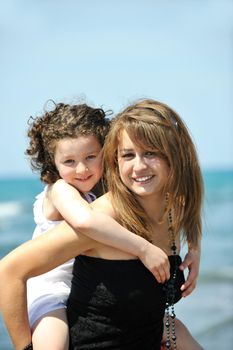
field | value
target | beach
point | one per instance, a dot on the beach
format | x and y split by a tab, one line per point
208	312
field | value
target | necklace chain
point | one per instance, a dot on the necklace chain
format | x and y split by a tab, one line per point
169	288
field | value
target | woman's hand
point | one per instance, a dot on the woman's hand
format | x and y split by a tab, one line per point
192	262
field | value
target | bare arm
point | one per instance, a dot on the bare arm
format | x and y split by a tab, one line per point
99	224
28	260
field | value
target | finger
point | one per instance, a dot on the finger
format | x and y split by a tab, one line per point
162	275
185	264
188	291
189	285
192	276
167	272
185	286
192	279
164	272
156	274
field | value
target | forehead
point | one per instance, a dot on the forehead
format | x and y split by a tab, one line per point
78	144
123	137
128	140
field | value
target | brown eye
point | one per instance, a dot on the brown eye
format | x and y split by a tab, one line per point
69	162
127	155
150	154
91	156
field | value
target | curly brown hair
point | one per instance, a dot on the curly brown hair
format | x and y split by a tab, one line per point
64	121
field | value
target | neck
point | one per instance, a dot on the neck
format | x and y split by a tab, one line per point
154	207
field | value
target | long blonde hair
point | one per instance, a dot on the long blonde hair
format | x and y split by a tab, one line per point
154	125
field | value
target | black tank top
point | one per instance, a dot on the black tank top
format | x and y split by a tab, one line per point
116	304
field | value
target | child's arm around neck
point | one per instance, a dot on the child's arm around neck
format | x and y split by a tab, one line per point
100	225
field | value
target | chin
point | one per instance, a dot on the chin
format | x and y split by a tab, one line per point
143	193
86	188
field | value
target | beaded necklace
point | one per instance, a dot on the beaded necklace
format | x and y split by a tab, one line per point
169	288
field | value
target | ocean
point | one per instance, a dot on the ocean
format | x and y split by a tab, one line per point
208	311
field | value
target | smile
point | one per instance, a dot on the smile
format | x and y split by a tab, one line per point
84	179
143	178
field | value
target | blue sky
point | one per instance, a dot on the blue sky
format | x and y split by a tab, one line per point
111	53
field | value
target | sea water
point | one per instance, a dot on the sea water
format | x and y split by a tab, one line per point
208	311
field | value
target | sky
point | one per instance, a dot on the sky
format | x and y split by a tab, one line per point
110	53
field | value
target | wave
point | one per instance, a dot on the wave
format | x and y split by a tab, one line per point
10	209
215	328
223	275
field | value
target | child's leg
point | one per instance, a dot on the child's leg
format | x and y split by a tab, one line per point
185	340
51	332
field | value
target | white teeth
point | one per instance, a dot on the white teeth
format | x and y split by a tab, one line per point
144	178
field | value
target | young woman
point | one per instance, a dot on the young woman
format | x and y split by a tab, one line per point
155	189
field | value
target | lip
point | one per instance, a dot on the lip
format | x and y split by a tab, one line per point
84	179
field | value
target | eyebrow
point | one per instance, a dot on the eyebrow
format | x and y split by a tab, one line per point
126	150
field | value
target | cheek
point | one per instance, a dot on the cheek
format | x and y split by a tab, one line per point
98	167
162	165
64	172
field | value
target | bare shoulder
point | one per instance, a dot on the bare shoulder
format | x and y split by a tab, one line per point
104	204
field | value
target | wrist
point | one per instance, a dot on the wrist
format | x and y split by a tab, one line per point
143	248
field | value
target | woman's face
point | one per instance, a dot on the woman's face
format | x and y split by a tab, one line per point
141	170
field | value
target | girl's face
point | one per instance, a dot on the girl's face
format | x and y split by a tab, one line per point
141	170
79	161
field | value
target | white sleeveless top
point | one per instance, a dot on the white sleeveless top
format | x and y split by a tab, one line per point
49	291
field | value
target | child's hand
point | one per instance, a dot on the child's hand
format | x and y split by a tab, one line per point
156	261
192	262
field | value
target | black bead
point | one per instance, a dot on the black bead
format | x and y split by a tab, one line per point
173	247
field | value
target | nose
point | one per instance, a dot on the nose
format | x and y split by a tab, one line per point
139	163
80	168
